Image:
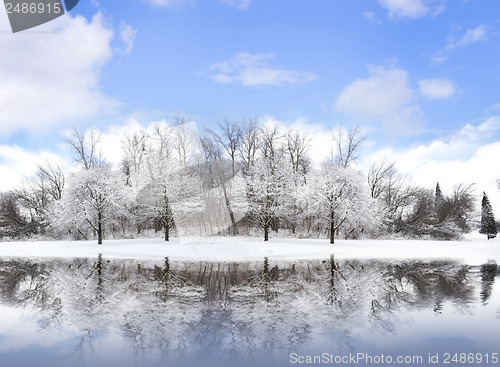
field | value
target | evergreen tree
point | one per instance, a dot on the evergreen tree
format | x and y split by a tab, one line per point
439	196
488	226
439	208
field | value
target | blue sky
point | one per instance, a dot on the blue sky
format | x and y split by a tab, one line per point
421	77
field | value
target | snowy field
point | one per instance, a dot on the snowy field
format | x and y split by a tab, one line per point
473	250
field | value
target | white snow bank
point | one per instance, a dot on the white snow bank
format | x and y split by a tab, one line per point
472	252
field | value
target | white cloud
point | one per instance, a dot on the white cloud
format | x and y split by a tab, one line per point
405	8
18	163
412	9
471	36
53	75
477	34
238	4
127	34
440	88
253	70
484	130
385	95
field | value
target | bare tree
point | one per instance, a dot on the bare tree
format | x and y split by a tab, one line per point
379	176
33	199
270	138
249	144
395	193
134	149
297	146
398	197
460	207
186	143
85	146
213	146
347	145
229	138
54	178
163	141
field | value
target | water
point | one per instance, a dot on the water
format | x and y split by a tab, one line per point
99	312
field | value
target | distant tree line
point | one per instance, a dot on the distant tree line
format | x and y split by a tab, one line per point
241	178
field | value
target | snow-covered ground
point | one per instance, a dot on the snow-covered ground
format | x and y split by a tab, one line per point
473	251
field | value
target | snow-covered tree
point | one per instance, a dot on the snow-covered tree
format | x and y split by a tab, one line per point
438	196
440	216
94	198
174	190
297	146
459	208
488	225
38	193
173	199
339	197
12	222
395	194
266	191
267	181
134	151
422	219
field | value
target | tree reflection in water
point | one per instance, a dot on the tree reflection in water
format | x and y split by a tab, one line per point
146	313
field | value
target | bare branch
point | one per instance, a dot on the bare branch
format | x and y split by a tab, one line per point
347	146
85	146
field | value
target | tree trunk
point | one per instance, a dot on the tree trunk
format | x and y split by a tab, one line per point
266	232
234	226
332	229
99	228
166	232
166	218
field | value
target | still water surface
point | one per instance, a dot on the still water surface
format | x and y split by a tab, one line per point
99	312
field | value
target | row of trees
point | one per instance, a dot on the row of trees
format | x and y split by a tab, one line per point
237	179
